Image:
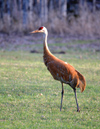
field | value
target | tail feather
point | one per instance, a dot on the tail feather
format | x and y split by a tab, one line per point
82	82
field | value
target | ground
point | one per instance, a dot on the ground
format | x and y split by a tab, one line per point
30	97
33	42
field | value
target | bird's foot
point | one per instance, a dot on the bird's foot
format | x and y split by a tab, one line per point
78	110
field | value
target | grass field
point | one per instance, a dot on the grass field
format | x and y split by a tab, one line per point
30	97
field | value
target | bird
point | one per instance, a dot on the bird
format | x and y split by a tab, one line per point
60	70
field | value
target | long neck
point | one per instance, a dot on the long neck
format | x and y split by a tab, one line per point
46	49
48	56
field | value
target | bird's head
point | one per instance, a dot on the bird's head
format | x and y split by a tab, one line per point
41	30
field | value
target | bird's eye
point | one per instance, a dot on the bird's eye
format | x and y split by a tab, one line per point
40	28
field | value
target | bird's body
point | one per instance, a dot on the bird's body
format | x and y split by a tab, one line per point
62	71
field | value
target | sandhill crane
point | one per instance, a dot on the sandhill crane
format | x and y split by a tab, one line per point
60	70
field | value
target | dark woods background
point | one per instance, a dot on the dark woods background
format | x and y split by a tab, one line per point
73	17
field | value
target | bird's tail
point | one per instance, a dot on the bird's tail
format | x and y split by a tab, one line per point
82	82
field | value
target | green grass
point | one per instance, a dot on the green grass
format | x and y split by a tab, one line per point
30	97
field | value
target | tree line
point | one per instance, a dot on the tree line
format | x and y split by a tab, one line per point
42	7
29	12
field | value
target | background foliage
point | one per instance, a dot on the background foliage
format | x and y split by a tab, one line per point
73	17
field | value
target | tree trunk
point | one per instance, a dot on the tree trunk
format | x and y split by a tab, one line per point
8	7
1	8
51	6
63	8
43	11
25	7
94	5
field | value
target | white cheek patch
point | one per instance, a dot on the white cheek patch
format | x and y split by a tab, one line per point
66	63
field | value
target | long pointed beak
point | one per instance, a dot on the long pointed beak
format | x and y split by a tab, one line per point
36	31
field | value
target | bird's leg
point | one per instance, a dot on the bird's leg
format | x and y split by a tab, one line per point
62	93
78	110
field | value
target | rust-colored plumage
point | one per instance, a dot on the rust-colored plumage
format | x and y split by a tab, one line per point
62	71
